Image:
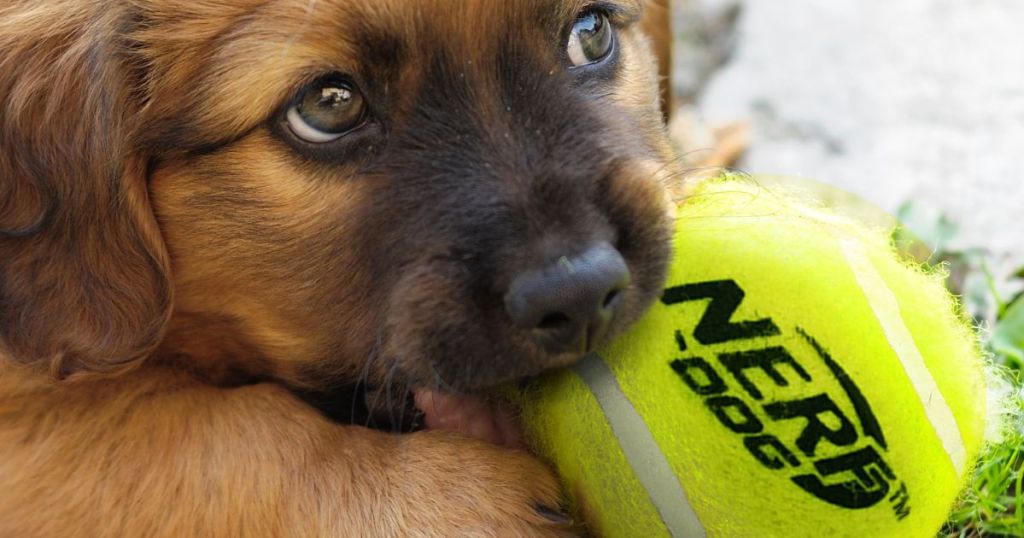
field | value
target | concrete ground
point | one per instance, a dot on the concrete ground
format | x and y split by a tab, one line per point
893	100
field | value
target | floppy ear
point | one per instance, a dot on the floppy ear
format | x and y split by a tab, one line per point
83	272
658	25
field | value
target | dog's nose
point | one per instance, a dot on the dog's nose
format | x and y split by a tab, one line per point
569	304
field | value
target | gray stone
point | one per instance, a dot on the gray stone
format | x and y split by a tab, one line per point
891	99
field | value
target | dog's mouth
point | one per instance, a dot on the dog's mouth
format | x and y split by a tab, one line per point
473	416
400	410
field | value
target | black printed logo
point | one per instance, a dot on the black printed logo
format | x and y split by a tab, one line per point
837	456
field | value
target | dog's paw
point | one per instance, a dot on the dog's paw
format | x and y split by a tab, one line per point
452	486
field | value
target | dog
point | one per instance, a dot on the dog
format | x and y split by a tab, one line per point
233	233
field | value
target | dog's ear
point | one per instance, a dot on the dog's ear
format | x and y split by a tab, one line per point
84	280
658	25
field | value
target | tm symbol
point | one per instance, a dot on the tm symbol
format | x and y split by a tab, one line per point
900	501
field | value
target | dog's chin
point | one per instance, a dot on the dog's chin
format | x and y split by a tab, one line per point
486	360
470	407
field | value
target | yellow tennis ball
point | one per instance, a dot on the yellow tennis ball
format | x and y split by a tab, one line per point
796	378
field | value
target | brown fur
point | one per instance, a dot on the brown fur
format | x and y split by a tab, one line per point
658	25
174	269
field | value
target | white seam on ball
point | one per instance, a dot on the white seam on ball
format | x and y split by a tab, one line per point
642	452
887	311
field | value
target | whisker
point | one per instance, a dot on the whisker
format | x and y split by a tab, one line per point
389	397
363	380
389	379
467	370
439	381
404	393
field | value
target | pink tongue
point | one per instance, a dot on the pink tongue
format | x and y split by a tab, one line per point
470	416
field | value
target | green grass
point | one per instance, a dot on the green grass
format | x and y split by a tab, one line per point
992	504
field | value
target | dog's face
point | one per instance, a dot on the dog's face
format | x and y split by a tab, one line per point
357	188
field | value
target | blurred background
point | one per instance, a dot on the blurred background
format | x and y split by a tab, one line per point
897	101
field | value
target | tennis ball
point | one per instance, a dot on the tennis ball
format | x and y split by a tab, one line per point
796	378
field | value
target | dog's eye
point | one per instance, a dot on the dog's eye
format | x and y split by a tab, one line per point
590	39
326	110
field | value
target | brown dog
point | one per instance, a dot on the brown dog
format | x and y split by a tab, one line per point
229	227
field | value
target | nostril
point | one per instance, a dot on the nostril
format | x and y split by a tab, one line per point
611	299
554	321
